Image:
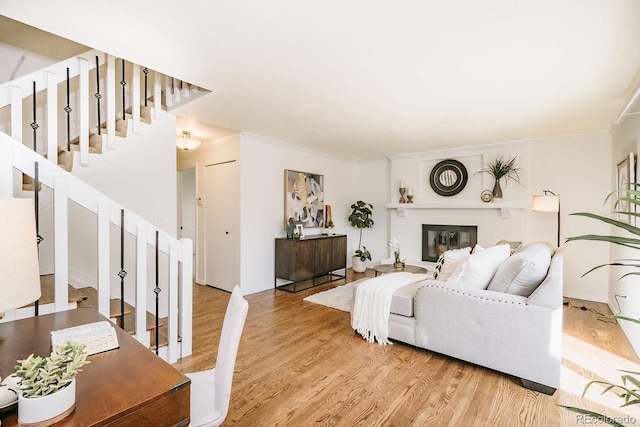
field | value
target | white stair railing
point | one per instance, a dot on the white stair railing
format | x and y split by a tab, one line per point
14	156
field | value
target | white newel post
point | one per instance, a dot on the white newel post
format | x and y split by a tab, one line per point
16	131
135	98
84	111
173	302
104	264
186	297
157	96
52	117
110	82
6	167
61	242
141	285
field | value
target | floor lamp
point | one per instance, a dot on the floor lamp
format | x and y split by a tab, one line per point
19	267
548	202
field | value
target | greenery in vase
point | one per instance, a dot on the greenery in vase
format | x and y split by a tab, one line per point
628	390
360	218
500	168
43	376
395	248
363	254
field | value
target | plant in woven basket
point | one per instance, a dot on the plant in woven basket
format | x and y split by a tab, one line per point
43	376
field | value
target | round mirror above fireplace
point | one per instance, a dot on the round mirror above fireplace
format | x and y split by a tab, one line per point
448	177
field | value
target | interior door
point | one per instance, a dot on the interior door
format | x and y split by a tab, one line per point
221	225
187	213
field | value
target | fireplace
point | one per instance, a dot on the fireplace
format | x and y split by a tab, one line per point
438	238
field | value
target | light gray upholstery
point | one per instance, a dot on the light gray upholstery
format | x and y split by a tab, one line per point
513	334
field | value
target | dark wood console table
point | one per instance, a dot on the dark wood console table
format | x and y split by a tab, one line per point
309	259
129	386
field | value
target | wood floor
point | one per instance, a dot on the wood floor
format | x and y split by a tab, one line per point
300	364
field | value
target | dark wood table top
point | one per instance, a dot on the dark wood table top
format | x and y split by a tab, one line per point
118	386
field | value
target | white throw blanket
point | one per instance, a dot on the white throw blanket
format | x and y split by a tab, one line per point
372	305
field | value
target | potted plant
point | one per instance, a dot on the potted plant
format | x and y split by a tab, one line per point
500	168
47	385
627	389
360	218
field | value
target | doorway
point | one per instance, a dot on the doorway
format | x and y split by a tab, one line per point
221	231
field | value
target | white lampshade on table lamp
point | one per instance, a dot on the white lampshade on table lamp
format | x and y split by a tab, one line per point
19	267
548	202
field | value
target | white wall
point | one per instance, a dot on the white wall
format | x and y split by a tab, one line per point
624	294
577	168
262	201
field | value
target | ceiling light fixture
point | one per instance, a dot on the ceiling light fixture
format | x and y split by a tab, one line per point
186	142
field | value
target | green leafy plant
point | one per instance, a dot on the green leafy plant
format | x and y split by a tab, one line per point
360	218
629	388
43	376
503	168
363	254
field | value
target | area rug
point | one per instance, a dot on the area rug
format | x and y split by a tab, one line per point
340	297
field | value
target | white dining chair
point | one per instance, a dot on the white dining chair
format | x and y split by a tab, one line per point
211	389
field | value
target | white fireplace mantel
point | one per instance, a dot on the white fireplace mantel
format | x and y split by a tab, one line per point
504	207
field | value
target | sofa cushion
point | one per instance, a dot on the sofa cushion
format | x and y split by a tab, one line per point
402	300
448	261
477	270
523	271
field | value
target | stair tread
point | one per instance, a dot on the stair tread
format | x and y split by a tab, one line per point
114	305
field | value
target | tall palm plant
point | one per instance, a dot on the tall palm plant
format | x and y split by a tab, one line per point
629	388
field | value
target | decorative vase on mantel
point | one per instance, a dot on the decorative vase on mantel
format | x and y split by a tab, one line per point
497	191
46	410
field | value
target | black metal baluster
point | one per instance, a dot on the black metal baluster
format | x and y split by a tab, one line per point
68	110
157	292
98	96
146	75
122	272
34	124
123	83
36	205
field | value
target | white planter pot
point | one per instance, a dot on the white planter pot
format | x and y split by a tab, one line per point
358	265
49	409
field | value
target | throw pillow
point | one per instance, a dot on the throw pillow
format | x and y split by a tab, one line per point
524	271
514	244
477	270
448	261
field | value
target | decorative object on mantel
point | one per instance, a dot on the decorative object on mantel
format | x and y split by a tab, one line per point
47	386
410	195
549	202
398	264
448	177
486	196
360	218
402	190
500	168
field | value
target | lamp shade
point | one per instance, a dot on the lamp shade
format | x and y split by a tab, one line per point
546	203
186	142
19	267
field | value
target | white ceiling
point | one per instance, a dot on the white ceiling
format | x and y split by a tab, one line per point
366	79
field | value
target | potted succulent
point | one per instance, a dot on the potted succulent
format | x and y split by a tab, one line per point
47	385
360	218
500	168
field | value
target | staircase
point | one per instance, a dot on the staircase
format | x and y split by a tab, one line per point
20	159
